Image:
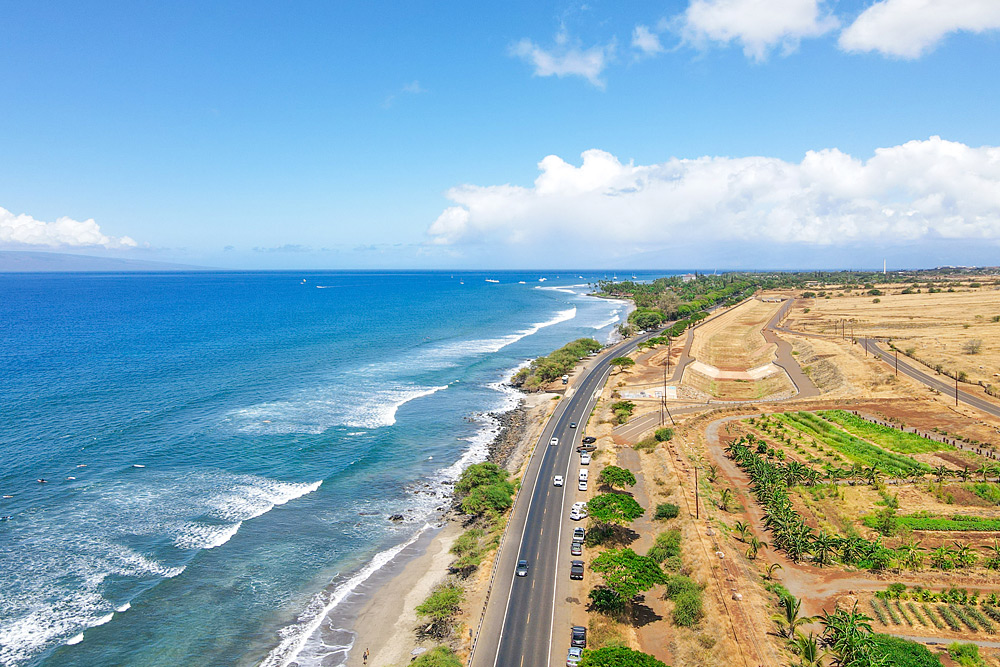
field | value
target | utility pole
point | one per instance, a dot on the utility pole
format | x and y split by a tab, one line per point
669	341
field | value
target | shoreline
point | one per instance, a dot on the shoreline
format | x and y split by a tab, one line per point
385	622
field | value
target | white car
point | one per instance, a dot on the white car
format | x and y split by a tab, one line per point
585	458
574	656
554	441
582	485
578	513
579	503
557	480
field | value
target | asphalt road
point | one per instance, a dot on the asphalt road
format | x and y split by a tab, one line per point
946	387
517	630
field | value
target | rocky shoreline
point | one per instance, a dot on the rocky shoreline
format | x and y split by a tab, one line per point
513	426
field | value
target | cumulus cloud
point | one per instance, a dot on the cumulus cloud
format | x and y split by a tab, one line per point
759	25
920	190
646	41
910	28
24	230
566	58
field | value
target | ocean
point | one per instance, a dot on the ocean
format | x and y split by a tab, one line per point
221	451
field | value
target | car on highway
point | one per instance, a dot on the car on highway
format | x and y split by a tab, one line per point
554	441
572	424
589	439
585	458
578	636
579	534
582	486
522	568
557	480
576	549
574	656
576	569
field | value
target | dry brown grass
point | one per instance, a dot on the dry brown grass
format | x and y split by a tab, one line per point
937	327
733	341
738	390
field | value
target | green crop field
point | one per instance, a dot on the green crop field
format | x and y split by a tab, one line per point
884	436
857	450
957	522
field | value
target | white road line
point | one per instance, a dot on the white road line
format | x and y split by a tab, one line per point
531	499
562	513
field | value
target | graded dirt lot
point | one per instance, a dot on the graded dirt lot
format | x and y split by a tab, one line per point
937	329
732	358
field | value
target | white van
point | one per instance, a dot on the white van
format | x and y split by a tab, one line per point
565	379
583	474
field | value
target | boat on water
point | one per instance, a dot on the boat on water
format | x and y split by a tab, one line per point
490	280
542	280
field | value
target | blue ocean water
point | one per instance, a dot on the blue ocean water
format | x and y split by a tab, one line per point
221	450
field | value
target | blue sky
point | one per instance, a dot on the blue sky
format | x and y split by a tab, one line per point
342	135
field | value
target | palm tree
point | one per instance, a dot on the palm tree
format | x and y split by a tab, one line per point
993	555
964	555
910	555
984	470
755	546
873	475
810	654
823	546
713	473
770	570
964	474
743	529
942	471
943	558
725	498
789	620
849	634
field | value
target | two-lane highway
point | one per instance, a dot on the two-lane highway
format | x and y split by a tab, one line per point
522	636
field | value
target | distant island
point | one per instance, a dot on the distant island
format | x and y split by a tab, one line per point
15	261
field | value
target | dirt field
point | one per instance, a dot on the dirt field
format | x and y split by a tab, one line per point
937	329
733	344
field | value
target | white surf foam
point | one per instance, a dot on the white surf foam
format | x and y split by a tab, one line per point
342	404
203	536
125	607
75	639
294	637
458	350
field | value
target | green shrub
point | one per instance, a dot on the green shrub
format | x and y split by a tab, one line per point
618	656
904	653
666	511
966	655
440	607
687	608
667	545
439	656
663	434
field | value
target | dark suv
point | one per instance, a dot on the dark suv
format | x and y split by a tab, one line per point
576	569
579	636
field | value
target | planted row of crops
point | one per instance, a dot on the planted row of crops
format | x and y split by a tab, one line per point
884	436
854	448
770	480
942	616
957	522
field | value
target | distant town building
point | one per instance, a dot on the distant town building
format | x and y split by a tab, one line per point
688	277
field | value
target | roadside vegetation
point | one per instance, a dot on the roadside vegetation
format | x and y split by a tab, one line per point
547	369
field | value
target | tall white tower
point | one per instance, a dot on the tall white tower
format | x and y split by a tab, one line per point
883	267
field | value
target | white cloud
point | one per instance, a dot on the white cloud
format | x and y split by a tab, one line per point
566	59
909	28
646	41
920	190
24	230
759	25
412	88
